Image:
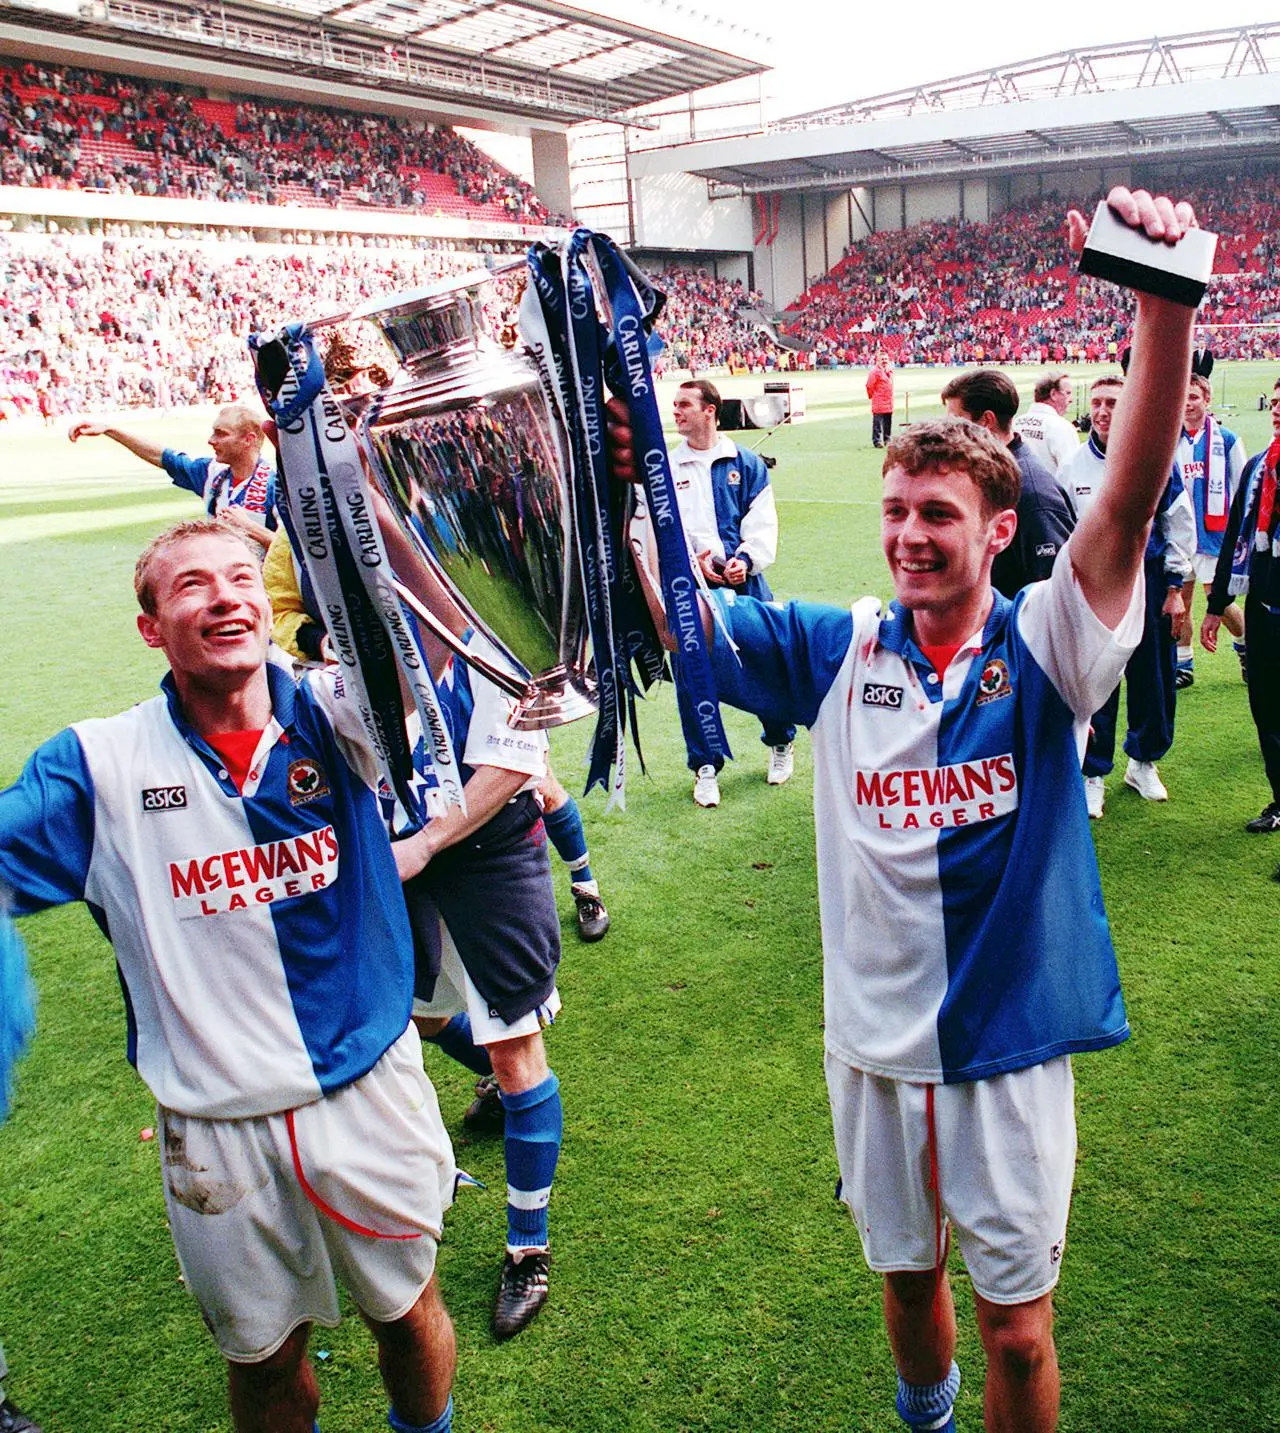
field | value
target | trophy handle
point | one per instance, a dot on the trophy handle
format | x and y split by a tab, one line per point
506	681
554	699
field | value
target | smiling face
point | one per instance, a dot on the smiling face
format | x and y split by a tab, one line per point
1102	407
939	539
211	615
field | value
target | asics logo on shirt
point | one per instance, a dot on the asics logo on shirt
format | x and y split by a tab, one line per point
938	796
877	694
254	875
164	798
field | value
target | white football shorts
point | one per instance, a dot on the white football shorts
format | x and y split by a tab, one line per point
1006	1153
1204	565
455	992
265	1218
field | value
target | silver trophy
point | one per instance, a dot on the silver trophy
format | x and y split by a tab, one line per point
472	459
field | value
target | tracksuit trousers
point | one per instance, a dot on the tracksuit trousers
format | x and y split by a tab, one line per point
1149	687
1262	650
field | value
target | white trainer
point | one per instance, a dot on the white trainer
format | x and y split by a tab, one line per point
1095	793
782	763
1145	780
706	789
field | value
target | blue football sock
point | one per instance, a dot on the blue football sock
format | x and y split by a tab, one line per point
929	1406
455	1040
564	827
441	1425
535	1125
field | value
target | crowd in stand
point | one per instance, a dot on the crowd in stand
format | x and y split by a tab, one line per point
100	325
91	325
714	323
953	292
88	326
52	120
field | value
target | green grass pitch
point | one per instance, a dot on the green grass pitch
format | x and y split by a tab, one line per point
704	1277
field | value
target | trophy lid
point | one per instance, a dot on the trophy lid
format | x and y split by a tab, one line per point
441	294
423	324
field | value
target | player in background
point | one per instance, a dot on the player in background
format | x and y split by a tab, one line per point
1249	567
1044	427
1149	676
1212	459
966	951
297	629
228	836
1045	516
237	484
730	518
486	949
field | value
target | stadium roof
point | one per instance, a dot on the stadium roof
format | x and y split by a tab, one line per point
535	58
1097	69
1213	93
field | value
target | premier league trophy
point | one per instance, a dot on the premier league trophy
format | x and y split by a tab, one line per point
472	459
485	450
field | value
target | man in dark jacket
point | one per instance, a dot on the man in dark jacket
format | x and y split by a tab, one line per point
1249	567
1046	516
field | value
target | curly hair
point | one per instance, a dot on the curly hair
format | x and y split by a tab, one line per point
956	445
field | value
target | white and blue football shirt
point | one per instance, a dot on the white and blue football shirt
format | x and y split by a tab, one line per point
215	486
963	929
1214	453
261	937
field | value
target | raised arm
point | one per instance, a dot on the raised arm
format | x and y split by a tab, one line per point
1107	547
145	448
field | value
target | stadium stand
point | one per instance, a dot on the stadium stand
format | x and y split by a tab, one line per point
705	324
99	325
1003	292
73	128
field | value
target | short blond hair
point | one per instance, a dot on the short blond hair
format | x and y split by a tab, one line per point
242	419
169	538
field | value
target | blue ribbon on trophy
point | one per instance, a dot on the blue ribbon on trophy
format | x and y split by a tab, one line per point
576	353
632	304
546	314
636	639
332	524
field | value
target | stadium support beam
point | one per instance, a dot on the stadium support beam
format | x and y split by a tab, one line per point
551	169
